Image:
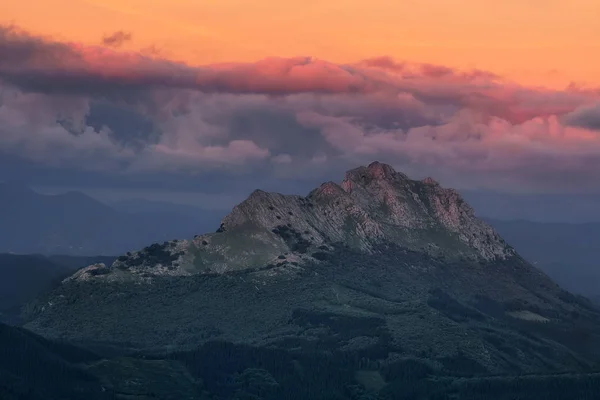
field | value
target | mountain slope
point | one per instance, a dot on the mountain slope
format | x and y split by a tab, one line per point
73	223
379	267
24	277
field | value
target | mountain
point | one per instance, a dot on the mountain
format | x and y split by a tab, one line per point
75	224
24	277
568	252
374	270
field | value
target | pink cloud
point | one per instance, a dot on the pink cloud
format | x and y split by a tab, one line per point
471	145
43	65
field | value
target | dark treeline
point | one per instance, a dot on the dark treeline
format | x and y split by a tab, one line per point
34	368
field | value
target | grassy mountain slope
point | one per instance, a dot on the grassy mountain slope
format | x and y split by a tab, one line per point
418	306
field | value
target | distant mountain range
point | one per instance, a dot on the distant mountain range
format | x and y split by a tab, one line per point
76	224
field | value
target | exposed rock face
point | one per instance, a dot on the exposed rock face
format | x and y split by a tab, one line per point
372	205
88	272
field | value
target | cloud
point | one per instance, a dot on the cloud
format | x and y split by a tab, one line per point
55	130
116	39
52	130
43	65
282	159
122	113
39	64
585	117
428	70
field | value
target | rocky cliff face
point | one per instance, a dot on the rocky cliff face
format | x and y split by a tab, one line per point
372	205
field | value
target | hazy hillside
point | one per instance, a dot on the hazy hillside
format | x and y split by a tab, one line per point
23	277
76	224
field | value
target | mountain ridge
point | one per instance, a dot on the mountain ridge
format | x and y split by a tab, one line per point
372	205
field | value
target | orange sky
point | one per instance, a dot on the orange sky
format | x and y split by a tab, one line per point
535	42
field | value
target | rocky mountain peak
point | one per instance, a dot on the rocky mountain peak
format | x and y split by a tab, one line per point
327	190
373	205
430	181
375	173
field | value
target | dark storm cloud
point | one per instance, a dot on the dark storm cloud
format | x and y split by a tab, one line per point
585	117
278	131
128	126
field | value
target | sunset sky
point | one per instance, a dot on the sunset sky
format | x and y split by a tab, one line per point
220	97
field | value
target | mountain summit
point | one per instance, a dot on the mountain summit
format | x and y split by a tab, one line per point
378	266
373	205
